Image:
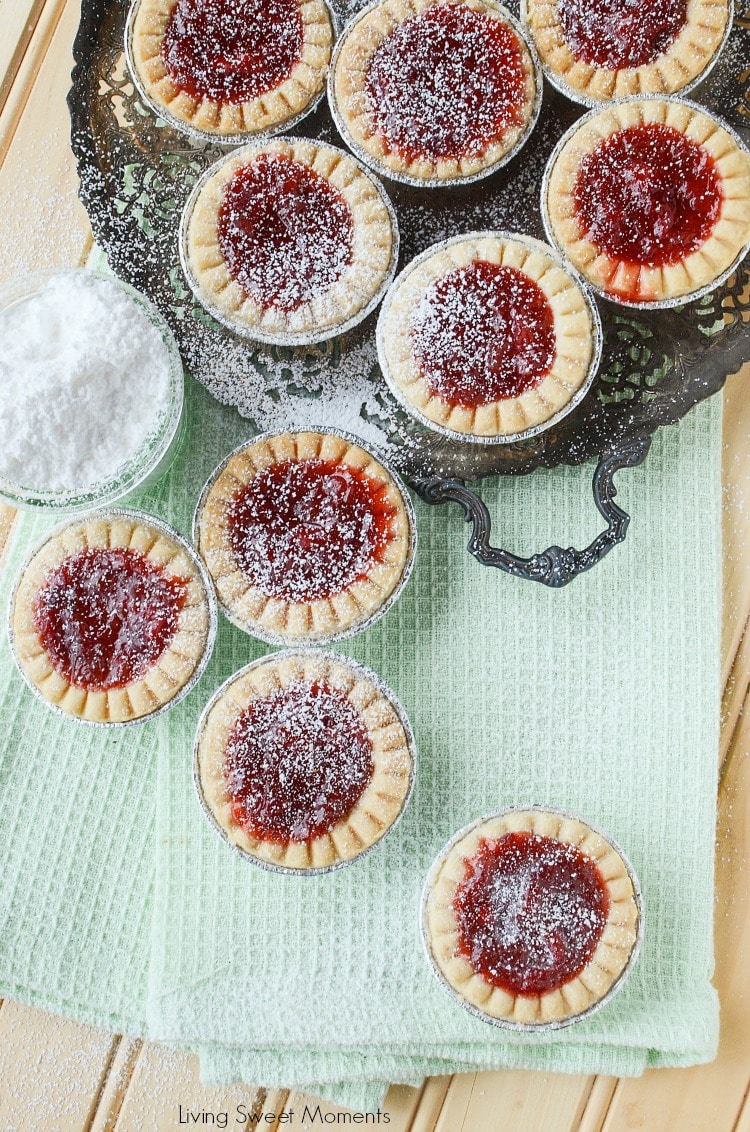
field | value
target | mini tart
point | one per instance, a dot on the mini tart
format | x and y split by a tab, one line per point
111	619
446	356
530	918
598	52
289	241
185	58
649	200
434	91
304	761
306	536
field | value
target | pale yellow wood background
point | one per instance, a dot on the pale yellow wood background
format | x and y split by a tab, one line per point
59	1076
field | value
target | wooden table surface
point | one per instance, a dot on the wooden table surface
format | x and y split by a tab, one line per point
60	1076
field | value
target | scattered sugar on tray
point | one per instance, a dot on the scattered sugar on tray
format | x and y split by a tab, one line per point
337	384
84	380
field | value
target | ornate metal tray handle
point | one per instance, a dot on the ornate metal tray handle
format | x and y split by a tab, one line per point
553	567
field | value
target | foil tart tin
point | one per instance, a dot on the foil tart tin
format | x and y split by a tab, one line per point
508	438
300	643
157	452
558	82
658	304
361	670
502	1023
434	183
303	338
165	529
193	132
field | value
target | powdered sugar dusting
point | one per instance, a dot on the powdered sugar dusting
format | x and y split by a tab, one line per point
232	50
446	84
135	209
106	615
307	530
337	384
284	231
621	33
531	911
297	762
483	333
648	194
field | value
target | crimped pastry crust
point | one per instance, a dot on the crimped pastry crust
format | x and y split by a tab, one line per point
267	112
373	246
642	283
348	93
680	65
384	796
575	336
174	668
273	618
608	961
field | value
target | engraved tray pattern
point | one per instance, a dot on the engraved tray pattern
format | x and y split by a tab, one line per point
136	173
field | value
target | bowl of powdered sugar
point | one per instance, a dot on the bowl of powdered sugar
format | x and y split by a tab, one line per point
91	391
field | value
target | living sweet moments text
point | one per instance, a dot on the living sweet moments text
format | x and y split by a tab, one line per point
309	1116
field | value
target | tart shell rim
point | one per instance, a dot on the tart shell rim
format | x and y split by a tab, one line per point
549	230
238	137
508	1023
382	170
360	670
202	576
286	640
597	334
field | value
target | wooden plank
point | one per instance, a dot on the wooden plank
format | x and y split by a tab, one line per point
46	188
51	1070
115	1085
18	20
736	489
44	225
456	1102
743	1121
519	1100
441	1099
27	68
164	1084
276	1104
598	1104
711	1096
431	1100
735	694
401	1104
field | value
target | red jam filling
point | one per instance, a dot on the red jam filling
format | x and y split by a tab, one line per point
647	195
446	84
105	616
621	33
307	530
296	763
483	333
530	911
285	233
232	50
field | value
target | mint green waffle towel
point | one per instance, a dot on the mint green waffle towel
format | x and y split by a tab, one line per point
119	905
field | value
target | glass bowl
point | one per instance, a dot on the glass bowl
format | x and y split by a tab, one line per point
158	450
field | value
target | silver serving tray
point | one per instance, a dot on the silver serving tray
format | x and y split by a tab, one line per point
137	172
